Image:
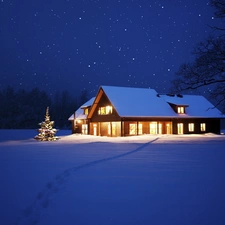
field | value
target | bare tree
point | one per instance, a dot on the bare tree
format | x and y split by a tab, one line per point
208	68
220	8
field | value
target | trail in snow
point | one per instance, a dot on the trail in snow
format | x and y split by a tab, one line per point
32	214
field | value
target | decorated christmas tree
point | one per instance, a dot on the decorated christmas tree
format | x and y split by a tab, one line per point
46	131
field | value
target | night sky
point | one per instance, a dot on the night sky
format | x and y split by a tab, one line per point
82	44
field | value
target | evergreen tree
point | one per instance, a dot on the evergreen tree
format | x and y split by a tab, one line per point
46	131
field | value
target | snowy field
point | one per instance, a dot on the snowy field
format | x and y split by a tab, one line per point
86	180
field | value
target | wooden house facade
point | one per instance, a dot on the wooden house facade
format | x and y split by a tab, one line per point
79	119
123	111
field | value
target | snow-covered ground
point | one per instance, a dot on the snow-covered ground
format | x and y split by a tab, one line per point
86	180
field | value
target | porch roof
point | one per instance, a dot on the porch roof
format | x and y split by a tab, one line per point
79	113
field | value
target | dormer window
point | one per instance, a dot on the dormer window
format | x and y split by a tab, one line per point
180	109
86	111
105	110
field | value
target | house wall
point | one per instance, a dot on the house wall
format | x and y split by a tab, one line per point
104	118
73	127
155	126
77	126
110	129
143	126
130	127
94	129
212	125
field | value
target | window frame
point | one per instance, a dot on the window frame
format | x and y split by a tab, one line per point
180	109
105	110
191	127
153	127
180	128
140	128
202	127
86	110
132	129
84	128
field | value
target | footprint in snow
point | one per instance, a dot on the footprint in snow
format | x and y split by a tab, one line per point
32	214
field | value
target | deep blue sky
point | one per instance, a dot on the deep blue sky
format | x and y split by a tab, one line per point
82	44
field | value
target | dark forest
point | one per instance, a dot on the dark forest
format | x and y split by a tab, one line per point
21	109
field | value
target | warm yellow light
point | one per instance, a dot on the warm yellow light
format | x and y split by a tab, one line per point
108	109
180	109
105	110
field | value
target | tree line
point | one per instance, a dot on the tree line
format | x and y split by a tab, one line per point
22	109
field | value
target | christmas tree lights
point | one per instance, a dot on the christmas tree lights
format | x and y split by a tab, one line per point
46	131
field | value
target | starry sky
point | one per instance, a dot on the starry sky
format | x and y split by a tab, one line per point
81	44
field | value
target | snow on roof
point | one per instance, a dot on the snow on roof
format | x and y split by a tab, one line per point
79	113
176	100
138	102
143	102
146	102
198	106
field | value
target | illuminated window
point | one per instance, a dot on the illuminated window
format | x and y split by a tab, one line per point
159	128
153	128
180	128
133	128
168	128
84	128
114	129
140	131
180	109
102	111
95	129
105	110
108	109
191	127
203	127
109	129
86	111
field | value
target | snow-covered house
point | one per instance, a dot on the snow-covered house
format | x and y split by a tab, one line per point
79	118
124	111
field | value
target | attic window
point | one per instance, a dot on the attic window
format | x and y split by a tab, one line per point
106	110
180	109
86	111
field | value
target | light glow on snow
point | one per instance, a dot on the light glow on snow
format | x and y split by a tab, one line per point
83	179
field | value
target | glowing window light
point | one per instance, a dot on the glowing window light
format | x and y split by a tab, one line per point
180	109
203	127
106	110
191	127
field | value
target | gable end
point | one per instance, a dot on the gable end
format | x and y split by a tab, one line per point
102	109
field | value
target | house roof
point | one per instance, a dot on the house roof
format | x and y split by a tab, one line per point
137	102
198	106
79	113
143	102
177	100
146	102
